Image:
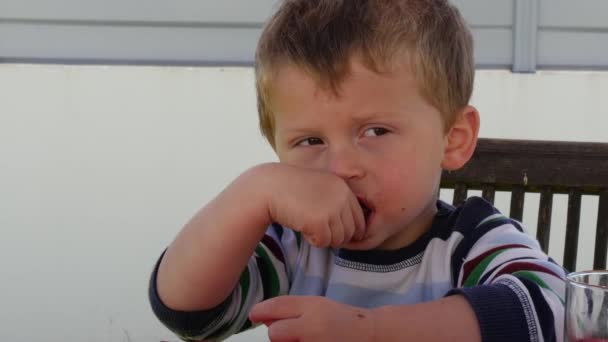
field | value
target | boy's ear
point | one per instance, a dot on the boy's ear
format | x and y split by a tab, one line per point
461	139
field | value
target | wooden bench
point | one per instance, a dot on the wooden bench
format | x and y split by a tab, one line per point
548	168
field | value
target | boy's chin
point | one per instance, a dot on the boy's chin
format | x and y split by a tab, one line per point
361	245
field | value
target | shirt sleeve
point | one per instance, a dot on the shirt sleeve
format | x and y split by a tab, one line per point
517	292
265	276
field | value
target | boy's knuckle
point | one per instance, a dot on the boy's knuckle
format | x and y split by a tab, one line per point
305	229
316	224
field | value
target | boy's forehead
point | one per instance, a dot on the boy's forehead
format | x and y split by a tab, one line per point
288	76
298	101
355	66
291	84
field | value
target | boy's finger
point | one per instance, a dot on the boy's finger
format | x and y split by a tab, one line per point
318	235
362	244
286	330
349	225
277	308
358	218
322	235
336	227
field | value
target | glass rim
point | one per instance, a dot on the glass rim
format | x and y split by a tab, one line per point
570	278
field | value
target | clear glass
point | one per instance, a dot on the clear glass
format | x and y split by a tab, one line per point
587	307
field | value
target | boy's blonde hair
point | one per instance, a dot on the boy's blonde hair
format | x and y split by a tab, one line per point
321	37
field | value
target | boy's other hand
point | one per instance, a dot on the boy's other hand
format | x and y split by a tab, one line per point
312	318
318	204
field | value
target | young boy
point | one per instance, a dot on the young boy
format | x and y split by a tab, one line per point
365	103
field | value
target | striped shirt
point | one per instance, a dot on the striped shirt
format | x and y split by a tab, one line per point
516	291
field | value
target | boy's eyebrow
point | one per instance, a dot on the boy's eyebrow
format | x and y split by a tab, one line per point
363	116
307	128
298	130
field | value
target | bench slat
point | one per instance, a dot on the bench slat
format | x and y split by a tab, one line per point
460	194
517	203
572	229
535	164
601	236
544	218
487	193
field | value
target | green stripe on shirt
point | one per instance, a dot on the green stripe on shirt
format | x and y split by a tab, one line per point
273	282
477	272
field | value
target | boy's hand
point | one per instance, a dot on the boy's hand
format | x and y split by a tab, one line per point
318	204
311	318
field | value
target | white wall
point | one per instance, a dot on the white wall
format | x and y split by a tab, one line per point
100	167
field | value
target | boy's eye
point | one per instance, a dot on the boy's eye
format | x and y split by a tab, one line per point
310	142
375	131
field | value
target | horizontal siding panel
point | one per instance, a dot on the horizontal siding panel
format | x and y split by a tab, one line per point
167	45
572	49
476	12
224	11
123	44
493	47
585	14
189	31
487	13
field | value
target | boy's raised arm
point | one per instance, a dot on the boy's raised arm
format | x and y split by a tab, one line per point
222	263
202	265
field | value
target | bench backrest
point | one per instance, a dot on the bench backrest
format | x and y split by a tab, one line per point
545	167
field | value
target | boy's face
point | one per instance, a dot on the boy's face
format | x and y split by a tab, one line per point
380	135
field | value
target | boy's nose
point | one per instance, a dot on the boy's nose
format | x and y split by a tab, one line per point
344	163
